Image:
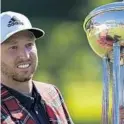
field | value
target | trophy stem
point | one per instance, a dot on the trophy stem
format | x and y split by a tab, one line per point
105	100
121	86
116	83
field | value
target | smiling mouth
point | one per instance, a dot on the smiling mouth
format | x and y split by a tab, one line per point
23	66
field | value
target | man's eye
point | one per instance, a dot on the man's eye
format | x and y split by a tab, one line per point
29	45
13	47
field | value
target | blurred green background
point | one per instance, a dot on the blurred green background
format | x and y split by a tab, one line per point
65	57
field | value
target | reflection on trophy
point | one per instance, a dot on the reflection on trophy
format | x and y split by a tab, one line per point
104	27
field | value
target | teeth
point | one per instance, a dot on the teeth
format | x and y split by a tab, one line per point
23	66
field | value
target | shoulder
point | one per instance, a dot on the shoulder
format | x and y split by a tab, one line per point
42	84
45	87
47	90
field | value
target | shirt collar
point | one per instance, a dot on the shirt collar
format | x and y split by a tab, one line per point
26	100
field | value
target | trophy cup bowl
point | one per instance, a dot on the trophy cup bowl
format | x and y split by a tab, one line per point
104	26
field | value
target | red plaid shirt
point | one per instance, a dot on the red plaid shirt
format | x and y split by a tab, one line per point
12	112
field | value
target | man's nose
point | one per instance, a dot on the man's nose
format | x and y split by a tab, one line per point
24	54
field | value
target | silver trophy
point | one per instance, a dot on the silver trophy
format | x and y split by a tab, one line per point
104	27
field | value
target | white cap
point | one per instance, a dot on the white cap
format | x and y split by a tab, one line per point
12	22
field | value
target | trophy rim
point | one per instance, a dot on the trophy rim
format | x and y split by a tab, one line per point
118	6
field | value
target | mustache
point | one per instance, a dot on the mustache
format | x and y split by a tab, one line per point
23	61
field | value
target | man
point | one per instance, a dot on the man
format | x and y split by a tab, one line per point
23	100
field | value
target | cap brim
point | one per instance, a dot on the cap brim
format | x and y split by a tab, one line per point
38	33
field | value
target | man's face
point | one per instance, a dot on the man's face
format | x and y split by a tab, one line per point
19	57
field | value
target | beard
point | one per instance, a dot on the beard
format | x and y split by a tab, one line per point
10	73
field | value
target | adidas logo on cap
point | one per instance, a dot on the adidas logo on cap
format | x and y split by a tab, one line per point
14	21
